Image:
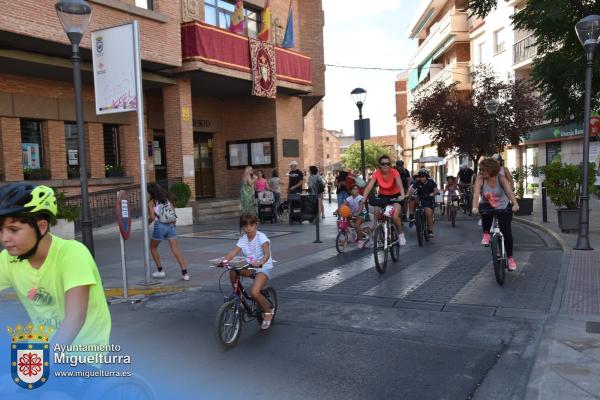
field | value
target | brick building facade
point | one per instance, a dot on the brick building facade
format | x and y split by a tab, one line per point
199	111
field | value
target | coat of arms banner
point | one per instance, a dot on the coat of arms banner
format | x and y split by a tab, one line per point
264	77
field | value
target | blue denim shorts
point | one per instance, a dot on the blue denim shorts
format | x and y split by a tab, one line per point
163	231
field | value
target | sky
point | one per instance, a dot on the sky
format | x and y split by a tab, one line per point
362	33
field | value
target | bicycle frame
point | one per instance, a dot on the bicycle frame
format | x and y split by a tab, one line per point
495	230
240	296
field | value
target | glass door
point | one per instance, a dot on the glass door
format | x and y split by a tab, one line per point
203	164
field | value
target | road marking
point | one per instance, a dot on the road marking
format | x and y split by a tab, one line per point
413	276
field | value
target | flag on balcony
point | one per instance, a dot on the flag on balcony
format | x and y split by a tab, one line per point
237	18
263	65
288	39
265	30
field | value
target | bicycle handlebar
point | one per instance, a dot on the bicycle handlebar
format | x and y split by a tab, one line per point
230	267
495	211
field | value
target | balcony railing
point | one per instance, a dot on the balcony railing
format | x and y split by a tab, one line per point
524	49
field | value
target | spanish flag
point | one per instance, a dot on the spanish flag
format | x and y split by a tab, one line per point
237	18
265	30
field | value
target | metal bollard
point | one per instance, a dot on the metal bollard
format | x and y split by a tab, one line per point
317	221
329	191
544	204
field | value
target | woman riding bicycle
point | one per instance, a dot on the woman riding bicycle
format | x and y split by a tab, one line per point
390	187
496	195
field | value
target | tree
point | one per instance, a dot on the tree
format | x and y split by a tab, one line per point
373	151
559	69
458	122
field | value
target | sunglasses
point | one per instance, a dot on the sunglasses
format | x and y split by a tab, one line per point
385	164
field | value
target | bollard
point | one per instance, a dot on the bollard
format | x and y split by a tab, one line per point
544	205
317	221
329	191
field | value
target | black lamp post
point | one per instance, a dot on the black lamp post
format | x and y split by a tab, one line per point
359	95
74	15
491	106
413	135
588	32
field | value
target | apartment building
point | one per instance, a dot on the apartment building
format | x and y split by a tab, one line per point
202	123
441	31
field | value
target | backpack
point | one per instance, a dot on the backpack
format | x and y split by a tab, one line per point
166	213
320	185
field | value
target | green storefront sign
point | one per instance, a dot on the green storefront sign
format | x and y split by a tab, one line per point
552	133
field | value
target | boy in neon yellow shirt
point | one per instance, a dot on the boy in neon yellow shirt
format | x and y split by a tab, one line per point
57	280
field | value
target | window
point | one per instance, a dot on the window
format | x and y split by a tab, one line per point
111	144
258	152
71	144
499	39
481	53
552	151
31	143
147	4
218	13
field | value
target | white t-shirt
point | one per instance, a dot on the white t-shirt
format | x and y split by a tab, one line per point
253	249
354	203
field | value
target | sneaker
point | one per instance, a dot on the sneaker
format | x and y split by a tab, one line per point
479	223
159	274
512	264
411	221
186	277
486	239
361	244
431	235
402	239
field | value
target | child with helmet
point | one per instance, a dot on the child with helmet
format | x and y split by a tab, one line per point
355	207
56	280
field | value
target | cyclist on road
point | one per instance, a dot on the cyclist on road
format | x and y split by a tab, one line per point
56	280
390	187
426	189
256	246
496	194
451	189
356	202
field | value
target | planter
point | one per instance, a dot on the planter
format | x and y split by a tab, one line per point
64	229
525	206
568	219
184	216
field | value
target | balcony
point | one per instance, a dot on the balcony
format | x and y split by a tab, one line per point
455	72
453	27
214	50
524	50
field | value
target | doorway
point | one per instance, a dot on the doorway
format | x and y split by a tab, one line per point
203	165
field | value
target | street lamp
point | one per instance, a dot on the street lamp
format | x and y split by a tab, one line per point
588	32
74	15
413	135
359	96
491	106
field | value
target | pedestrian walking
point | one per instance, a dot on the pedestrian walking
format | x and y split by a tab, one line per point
247	191
161	213
316	187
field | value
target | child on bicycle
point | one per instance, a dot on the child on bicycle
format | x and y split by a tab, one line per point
56	280
356	202
451	189
256	247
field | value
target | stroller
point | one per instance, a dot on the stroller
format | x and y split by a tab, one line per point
266	207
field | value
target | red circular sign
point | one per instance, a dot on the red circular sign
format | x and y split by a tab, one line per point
123	214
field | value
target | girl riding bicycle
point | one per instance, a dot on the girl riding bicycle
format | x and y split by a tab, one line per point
357	204
496	194
256	246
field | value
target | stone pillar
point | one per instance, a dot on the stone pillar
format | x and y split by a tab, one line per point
10	149
179	132
55	151
94	142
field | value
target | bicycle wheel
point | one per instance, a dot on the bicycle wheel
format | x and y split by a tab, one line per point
228	325
424	224
419	226
498	260
271	296
394	249
380	253
453	215
341	241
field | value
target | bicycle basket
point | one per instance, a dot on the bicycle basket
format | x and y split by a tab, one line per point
343	224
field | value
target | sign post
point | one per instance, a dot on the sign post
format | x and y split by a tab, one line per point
124	220
118	88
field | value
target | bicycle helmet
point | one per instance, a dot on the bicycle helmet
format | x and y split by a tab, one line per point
27	200
423	172
399	163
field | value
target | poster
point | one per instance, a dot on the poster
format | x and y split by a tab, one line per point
261	153
31	155
157	153
595	158
114	69
72	157
238	154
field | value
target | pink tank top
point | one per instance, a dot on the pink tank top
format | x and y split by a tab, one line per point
261	185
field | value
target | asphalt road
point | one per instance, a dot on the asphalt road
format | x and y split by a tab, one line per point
435	326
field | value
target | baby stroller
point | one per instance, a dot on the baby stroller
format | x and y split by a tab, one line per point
266	207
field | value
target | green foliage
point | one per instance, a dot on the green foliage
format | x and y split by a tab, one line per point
563	182
70	213
519	175
373	151
114	171
182	194
36	174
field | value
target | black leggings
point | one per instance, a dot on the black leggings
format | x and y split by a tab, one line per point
504	221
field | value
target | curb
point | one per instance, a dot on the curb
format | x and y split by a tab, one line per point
561	241
118	292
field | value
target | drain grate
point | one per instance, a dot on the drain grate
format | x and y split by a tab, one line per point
592	327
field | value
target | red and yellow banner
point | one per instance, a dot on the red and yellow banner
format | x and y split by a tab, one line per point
264	75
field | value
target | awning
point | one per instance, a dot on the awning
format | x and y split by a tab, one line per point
430	160
424	70
413	79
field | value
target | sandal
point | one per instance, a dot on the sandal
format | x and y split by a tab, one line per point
266	323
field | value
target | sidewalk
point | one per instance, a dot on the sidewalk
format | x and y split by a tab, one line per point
567	364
